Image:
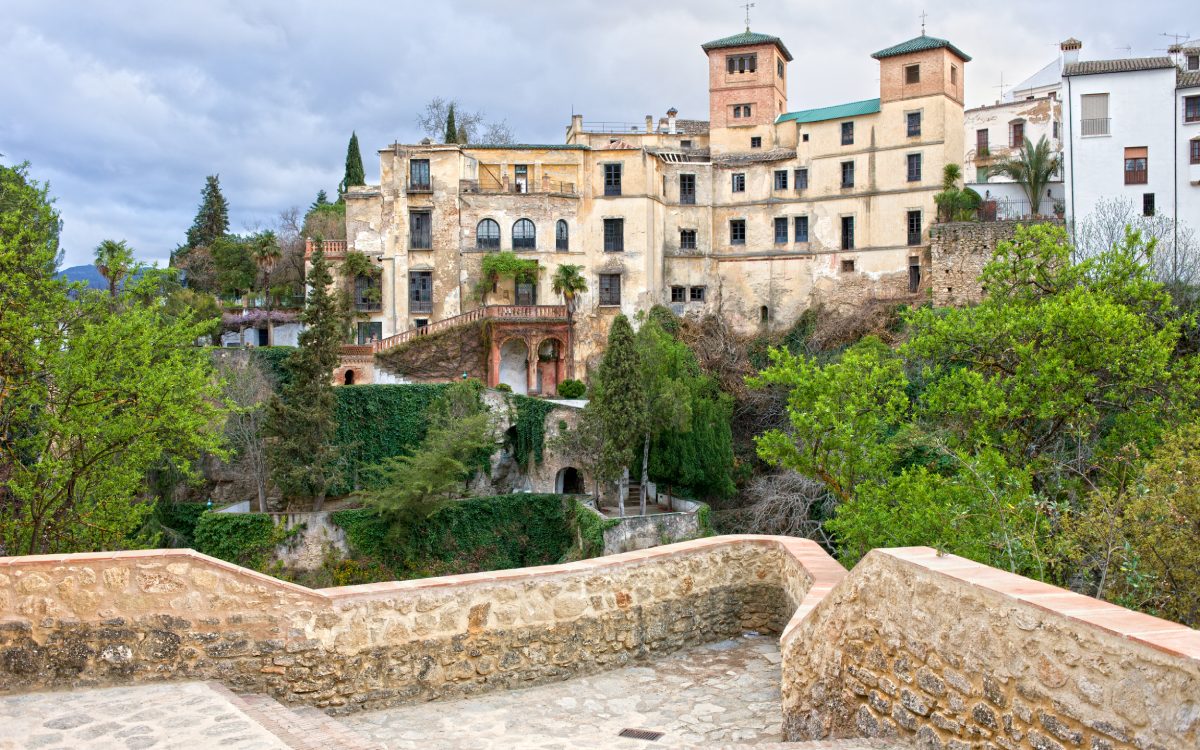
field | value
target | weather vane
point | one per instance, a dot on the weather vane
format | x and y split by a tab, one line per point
747	6
924	15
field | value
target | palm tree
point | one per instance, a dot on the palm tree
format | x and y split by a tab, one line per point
1032	168
114	261
265	251
569	283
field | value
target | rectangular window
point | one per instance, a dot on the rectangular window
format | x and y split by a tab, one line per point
369	332
685	144
610	289
912	74
913	121
847	232
418	175
914	227
1194	148
612	179
368	293
1016	134
847	133
696	294
737	231
781	230
741	111
1054	130
914	167
420	230
1191	109
420	292
679	294
1147	204
614	235
1094	114
687	189
953	75
914	274
687	239
1136	166
847	174
848	266
981	174
981	141
1193	62
801	176
521	178
781	182
739	182
801	223
779	67
526	293
755	142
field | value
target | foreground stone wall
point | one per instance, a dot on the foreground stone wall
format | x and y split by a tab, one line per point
961	656
105	618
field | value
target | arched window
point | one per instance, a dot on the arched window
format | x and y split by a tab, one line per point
487	235
524	235
561	236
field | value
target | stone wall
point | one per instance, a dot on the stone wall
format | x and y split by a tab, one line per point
959	250
315	537
105	618
961	656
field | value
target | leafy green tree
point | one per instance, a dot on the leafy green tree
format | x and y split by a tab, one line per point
956	203
354	168
618	401
570	283
212	218
1032	168
235	270
451	131
301	422
114	261
325	222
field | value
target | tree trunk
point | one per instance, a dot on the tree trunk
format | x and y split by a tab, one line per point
622	491
645	471
570	341
318	501
262	493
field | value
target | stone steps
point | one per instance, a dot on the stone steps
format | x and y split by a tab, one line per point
300	727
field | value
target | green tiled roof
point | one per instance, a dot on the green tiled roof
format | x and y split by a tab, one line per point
746	39
920	44
836	112
540	146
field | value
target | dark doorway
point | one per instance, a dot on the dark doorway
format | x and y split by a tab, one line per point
349	379
570	481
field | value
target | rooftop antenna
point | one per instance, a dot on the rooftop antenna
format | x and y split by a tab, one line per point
747	6
924	15
1001	86
1176	38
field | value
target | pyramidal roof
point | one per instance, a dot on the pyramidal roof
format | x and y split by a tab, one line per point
920	44
746	39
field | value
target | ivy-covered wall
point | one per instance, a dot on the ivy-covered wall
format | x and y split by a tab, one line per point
246	539
377	422
530	426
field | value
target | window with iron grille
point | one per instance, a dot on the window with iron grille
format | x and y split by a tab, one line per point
418	174
562	236
610	289
368	293
847	133
756	142
1017	134
913	121
737	231
420	230
781	230
1147	204
912	74
612	179
801	178
487	235
1191	109
914	167
526	293
1194	148
524	235
847	174
739	182
679	294
696	294
420	292
687	189
848	266
781	181
914	274
614	235
687	239
801	228
847	232
981	141
914	227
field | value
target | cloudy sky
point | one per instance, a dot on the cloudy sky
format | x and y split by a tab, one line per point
124	106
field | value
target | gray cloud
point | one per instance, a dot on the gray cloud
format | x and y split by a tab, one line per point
125	106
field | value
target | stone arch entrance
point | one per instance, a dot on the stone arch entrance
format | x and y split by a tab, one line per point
569	481
514	365
551	364
348	379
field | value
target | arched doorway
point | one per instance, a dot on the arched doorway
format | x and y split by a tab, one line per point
349	378
551	365
514	365
569	481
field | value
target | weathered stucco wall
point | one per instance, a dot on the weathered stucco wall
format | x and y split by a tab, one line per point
102	618
961	656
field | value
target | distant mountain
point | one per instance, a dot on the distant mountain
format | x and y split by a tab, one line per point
84	273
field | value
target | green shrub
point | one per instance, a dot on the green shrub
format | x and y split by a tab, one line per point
245	539
504	388
571	389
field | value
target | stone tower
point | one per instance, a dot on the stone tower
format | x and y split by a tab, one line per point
747	90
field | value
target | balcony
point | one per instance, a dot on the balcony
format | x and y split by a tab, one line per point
416	307
334	249
1093	126
420	186
545	186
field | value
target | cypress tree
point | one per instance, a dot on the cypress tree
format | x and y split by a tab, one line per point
354	165
212	219
451	129
618	401
301	420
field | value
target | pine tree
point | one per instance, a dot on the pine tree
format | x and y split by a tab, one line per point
322	200
212	219
451	130
618	401
301	421
354	166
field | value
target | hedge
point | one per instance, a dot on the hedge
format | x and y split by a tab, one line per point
377	422
245	539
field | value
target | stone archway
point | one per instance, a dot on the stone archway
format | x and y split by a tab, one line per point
551	365
569	481
514	365
348	378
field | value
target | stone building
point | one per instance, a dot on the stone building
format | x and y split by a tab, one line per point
756	214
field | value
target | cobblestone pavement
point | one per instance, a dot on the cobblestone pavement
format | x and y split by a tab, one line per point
720	694
184	715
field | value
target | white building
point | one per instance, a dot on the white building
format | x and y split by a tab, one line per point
1132	132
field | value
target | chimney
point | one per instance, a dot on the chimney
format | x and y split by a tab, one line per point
671	120
649	124
1070	51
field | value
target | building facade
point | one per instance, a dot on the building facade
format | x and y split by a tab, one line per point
755	214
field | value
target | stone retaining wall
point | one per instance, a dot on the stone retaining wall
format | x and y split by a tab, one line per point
108	618
961	656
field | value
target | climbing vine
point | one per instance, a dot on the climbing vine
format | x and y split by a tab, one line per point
530	424
590	527
245	539
377	422
504	265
